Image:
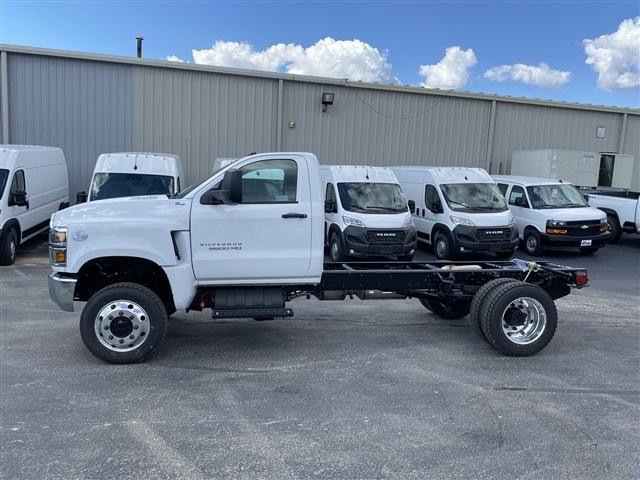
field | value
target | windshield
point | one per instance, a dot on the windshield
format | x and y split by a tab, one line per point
4	174
116	185
474	197
372	197
555	196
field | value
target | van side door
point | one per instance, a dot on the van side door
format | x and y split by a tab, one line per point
16	205
520	208
434	210
266	237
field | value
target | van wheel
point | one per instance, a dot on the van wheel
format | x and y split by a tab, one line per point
9	248
533	242
123	323
613	225
518	319
336	250
442	246
453	310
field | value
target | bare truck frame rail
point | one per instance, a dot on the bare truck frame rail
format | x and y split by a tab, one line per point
510	304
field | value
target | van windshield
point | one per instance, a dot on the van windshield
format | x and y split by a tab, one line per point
474	197
372	197
4	174
555	196
116	185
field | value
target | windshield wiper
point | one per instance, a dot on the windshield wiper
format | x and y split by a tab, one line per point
459	203
375	207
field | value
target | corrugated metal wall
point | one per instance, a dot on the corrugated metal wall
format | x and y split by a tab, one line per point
524	127
385	128
202	116
84	107
88	107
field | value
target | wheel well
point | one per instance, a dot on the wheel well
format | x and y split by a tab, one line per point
439	227
102	272
333	229
13	224
613	213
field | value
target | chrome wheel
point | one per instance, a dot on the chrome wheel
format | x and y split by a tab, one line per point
524	320
122	325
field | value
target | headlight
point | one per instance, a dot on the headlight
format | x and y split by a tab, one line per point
556	223
352	221
58	246
461	221
603	221
408	223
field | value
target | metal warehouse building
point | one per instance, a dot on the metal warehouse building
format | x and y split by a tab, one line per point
91	104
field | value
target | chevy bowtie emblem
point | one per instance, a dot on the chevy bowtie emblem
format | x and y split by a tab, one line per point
584	227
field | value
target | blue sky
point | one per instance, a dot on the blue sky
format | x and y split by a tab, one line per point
410	34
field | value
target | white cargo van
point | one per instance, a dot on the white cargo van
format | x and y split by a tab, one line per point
366	213
459	210
550	213
133	174
33	186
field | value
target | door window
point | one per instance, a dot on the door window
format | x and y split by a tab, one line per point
18	183
430	196
330	195
270	181
503	187
517	197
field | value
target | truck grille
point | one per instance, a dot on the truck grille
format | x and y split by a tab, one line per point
385	236
497	233
585	228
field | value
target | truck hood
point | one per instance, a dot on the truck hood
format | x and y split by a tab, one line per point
128	213
573	214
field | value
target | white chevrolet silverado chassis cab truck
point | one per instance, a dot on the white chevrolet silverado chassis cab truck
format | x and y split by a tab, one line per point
248	240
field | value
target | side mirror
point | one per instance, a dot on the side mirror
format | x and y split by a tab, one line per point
232	184
412	206
19	199
436	207
215	197
81	197
586	197
330	207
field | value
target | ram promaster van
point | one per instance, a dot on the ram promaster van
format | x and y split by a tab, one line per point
33	186
550	213
366	213
458	210
133	174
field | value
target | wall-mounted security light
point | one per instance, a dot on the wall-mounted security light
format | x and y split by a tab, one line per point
327	99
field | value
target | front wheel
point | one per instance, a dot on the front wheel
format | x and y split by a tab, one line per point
613	225
123	323
442	247
335	248
533	243
9	248
451	310
518	319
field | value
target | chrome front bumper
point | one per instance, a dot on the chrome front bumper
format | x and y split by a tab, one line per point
61	290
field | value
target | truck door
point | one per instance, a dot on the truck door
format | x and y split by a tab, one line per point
264	238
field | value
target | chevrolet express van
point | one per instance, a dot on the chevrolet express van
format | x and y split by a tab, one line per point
459	210
33	186
366	213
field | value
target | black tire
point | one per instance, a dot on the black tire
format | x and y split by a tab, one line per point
336	249
442	248
496	303
478	301
406	258
145	298
613	225
505	255
450	310
9	247
589	250
532	242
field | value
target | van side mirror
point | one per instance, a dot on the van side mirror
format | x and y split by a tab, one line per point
412	206
81	197
586	197
330	207
19	199
436	207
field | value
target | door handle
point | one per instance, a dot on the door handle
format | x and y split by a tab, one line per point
294	215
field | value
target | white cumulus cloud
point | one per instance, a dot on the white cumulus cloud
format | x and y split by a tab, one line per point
616	56
352	59
540	75
174	58
450	73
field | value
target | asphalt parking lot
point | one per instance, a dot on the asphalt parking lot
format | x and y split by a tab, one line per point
376	389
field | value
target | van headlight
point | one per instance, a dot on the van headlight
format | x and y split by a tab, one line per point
58	246
603	221
352	221
556	223
408	223
461	221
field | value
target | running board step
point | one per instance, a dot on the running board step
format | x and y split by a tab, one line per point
257	313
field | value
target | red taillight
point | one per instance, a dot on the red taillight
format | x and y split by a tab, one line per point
581	278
